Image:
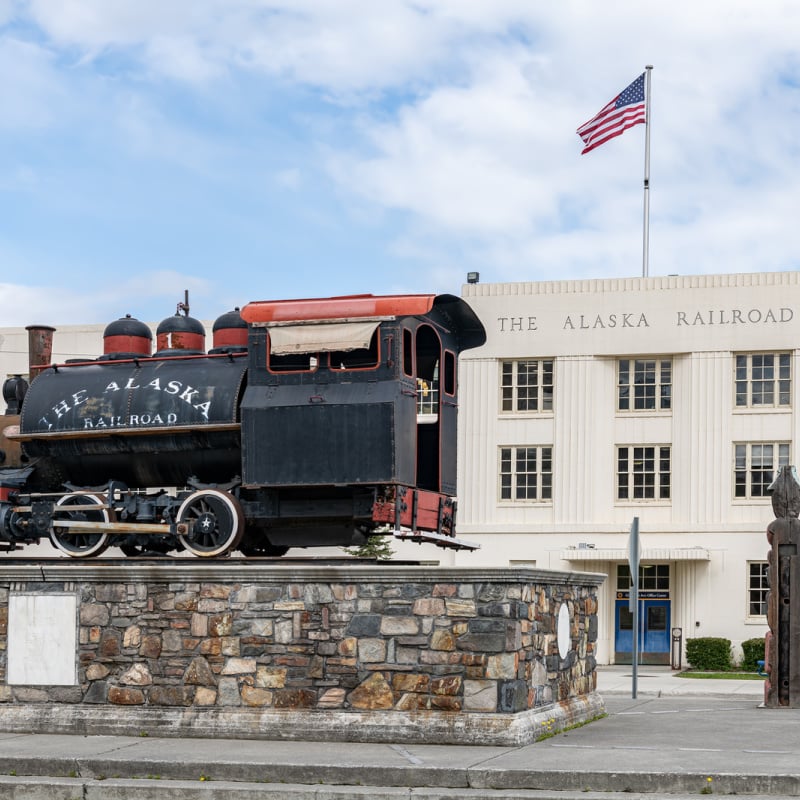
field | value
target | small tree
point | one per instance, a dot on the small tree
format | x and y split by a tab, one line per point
376	547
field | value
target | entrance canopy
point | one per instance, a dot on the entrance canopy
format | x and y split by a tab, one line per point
648	554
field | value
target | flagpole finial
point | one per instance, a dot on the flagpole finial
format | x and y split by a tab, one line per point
649	66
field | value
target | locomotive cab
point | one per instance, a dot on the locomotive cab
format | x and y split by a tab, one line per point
358	396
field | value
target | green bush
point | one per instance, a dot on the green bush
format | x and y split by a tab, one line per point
753	650
709	653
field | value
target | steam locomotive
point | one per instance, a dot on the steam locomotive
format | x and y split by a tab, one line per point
318	422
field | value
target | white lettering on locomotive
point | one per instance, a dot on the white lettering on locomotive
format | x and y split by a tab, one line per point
131	421
188	394
184	392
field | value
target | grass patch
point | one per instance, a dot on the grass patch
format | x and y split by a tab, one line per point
722	676
550	732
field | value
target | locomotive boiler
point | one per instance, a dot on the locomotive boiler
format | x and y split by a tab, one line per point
315	422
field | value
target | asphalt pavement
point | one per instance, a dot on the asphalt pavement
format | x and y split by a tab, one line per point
677	738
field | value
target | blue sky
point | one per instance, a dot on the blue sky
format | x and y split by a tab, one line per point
250	149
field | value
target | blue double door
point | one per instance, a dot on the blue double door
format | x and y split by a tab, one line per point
654	631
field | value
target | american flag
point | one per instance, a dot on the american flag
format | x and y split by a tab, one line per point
624	111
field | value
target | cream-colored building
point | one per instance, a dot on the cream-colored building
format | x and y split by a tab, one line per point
670	399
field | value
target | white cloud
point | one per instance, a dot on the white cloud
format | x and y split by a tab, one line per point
150	296
447	129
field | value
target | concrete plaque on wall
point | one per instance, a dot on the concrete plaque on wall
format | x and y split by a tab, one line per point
42	639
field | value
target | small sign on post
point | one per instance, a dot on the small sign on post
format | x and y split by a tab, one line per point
633	601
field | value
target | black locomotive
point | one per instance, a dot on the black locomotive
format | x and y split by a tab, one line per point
308	423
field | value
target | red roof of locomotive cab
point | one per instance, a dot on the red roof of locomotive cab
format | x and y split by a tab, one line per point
345	307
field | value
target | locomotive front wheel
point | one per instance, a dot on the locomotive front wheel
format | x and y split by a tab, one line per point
218	523
80	545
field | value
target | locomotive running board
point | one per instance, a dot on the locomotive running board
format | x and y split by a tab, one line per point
436	538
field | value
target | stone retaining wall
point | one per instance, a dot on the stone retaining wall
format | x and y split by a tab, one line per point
206	649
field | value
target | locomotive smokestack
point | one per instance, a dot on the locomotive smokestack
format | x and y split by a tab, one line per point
40	348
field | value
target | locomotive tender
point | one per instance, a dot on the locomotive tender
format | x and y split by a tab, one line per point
316	422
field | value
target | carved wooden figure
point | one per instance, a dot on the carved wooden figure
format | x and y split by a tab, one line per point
782	643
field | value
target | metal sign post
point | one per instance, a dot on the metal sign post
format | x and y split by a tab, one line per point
633	601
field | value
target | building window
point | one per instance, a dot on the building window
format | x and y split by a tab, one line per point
652	577
644	384
643	472
757	587
763	379
526	386
756	466
526	473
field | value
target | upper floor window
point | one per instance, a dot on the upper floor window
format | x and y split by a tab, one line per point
763	379
643	472
526	473
526	386
756	465
644	384
757	588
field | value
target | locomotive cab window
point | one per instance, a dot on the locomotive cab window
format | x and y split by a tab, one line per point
408	352
292	362
358	358
427	355
305	347
449	373
427	358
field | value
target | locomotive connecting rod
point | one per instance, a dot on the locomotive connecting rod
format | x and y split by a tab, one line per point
77	526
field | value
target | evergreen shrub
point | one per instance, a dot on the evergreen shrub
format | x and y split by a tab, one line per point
753	652
710	653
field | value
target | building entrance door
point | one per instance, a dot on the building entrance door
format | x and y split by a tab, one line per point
655	613
654	632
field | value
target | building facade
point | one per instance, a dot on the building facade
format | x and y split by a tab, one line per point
673	400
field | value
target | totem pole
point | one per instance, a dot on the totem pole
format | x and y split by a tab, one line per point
782	643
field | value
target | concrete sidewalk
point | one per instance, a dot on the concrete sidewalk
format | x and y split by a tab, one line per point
666	682
679	738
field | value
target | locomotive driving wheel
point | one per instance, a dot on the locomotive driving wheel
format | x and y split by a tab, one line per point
218	523
80	545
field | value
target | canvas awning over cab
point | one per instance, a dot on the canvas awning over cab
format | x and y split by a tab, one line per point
321	337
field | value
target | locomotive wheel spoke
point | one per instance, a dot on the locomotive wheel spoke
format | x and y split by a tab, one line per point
80	545
217	523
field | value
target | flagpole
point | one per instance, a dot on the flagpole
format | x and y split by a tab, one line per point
646	231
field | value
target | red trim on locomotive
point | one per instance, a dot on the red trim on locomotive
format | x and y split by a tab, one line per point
345	307
230	337
127	344
180	340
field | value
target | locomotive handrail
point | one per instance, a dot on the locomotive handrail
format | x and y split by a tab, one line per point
13	432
